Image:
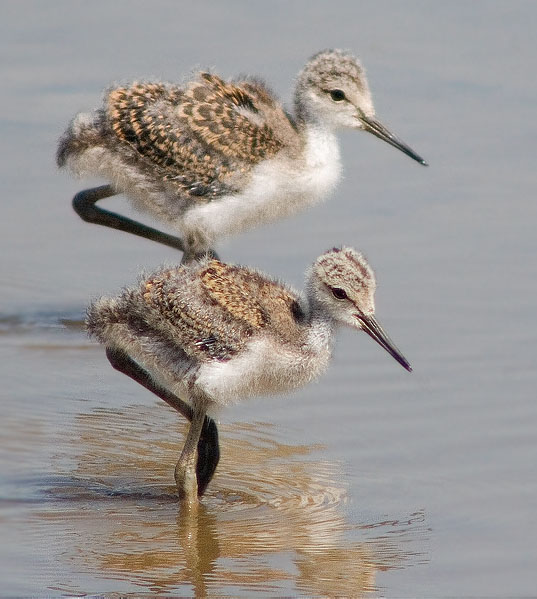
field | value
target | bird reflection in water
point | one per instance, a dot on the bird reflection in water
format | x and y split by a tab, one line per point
272	522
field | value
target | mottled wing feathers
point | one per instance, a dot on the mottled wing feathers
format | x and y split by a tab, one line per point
230	118
180	316
233	293
205	136
137	115
251	298
212	313
146	117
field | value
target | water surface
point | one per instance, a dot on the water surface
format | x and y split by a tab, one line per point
373	481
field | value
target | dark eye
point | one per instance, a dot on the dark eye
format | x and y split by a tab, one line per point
339	293
337	95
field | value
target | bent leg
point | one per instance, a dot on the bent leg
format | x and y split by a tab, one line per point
84	204
208	450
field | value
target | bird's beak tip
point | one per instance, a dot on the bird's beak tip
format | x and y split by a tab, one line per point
372	125
371	326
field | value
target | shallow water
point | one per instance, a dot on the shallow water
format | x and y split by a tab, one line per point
371	482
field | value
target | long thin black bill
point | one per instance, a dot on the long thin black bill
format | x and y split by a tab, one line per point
378	129
375	331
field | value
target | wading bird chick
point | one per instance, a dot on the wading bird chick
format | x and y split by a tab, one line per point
214	158
209	334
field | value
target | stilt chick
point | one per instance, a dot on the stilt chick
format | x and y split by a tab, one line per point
209	334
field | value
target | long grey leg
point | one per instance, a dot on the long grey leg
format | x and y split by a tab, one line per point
185	471
84	204
208	450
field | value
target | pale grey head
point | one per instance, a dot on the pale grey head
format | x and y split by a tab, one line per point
342	284
332	90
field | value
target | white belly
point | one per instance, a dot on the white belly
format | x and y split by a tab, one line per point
264	369
277	188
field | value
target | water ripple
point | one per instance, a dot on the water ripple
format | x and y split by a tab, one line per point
110	509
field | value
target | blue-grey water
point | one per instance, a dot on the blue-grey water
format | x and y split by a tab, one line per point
371	482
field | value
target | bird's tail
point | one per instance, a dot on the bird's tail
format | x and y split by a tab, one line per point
84	132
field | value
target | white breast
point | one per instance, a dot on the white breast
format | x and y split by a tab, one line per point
267	367
277	188
323	167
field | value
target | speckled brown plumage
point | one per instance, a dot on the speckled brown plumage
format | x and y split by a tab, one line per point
198	138
210	314
214	110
